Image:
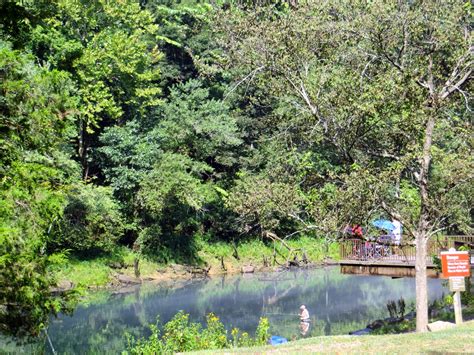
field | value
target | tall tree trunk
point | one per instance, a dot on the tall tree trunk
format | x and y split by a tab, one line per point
82	149
421	284
421	237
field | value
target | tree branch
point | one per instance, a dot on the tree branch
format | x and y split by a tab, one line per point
251	74
394	214
447	90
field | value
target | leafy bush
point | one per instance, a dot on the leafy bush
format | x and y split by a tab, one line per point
166	247
26	301
182	335
36	120
172	198
436	260
261	334
263	203
403	326
91	221
467	297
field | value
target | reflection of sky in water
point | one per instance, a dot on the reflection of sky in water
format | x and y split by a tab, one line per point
337	304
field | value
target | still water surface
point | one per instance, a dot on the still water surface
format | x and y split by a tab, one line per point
337	304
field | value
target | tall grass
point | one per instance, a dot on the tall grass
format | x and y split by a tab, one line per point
253	251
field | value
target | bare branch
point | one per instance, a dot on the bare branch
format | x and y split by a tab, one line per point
466	99
434	232
301	90
456	73
307	100
365	68
430	83
250	75
423	84
394	63
300	231
383	154
448	90
405	43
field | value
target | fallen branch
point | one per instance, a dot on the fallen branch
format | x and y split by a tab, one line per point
292	258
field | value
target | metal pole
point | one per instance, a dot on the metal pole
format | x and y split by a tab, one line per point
457	307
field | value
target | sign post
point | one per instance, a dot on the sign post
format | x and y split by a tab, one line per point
456	266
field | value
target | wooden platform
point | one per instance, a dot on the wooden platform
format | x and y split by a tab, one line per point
394	268
371	257
383	262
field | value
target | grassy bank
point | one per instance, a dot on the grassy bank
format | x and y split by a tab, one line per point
456	340
253	252
99	271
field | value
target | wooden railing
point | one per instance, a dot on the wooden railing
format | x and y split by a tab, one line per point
363	250
383	250
453	241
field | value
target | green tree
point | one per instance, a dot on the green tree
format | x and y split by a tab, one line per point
17	17
110	49
197	137
36	118
429	47
376	84
264	205
199	126
186	40
91	221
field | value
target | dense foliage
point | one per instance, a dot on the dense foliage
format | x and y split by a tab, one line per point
180	335
34	123
161	125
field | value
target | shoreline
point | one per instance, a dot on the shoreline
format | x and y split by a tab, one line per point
117	267
124	277
179	272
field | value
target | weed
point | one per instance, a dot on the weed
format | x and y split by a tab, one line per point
182	335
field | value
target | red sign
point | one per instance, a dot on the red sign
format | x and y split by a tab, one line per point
455	263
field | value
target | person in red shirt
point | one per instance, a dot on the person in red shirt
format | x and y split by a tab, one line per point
357	231
360	247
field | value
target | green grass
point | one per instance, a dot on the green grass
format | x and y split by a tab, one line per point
252	252
95	272
85	273
456	340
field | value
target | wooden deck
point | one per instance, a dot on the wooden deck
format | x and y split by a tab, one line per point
383	262
385	267
381	258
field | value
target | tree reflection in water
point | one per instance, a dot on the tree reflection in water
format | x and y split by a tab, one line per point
337	304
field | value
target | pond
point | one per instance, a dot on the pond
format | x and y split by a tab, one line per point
337	304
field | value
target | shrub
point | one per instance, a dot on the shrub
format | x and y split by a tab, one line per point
91	221
182	335
403	326
165	247
261	334
26	301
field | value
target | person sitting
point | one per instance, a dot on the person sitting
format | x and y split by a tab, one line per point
357	231
359	249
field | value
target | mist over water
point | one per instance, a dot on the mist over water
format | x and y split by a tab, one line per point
337	304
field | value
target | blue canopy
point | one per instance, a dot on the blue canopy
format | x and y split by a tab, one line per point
384	224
